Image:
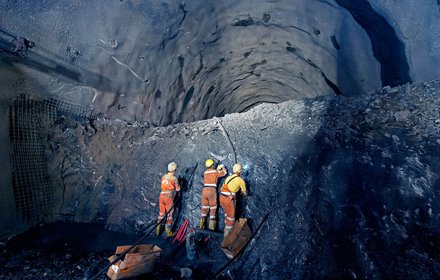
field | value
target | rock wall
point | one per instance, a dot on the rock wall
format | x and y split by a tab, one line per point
350	184
419	33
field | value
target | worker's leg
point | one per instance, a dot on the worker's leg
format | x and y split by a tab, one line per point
229	207
212	198
205	208
161	216
169	208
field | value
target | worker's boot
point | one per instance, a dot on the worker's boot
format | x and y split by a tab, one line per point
168	231
158	229
202	222
212	224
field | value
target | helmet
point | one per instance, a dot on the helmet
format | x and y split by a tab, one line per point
172	166
209	162
237	168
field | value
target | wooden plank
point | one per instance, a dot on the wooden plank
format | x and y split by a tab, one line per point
238	237
140	259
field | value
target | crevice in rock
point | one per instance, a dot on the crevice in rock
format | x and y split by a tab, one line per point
333	86
335	42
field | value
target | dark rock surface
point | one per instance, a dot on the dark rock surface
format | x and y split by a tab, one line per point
418	31
351	184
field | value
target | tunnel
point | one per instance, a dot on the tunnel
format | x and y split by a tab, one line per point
330	106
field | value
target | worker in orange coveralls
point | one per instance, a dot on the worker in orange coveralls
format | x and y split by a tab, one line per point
231	186
169	184
209	193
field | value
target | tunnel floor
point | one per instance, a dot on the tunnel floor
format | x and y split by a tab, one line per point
80	251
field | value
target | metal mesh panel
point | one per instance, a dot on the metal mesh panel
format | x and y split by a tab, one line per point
30	120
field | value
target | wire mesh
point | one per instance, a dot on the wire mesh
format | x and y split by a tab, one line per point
30	122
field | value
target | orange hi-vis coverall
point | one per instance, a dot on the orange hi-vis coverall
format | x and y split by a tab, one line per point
209	193
168	185
229	190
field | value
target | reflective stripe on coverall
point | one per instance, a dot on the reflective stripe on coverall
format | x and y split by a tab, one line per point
209	192
229	190
168	185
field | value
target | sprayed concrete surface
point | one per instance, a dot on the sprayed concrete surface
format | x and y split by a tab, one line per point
168	62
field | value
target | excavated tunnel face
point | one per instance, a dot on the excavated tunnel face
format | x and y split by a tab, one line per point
99	94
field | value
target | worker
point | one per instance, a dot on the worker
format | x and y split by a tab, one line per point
209	193
169	184
231	186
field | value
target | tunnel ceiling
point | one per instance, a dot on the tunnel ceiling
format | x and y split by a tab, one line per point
166	62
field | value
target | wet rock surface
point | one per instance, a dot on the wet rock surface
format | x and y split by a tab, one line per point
351	184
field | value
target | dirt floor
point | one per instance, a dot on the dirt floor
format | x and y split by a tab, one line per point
80	251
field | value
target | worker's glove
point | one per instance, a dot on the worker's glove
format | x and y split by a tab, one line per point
220	167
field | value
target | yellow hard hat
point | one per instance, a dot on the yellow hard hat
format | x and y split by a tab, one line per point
172	166
237	168
209	162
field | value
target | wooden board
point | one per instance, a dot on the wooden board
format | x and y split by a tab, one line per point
237	238
139	260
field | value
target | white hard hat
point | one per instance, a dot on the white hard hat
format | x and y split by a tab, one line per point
172	166
237	168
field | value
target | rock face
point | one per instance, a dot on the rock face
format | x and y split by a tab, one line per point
351	184
418	33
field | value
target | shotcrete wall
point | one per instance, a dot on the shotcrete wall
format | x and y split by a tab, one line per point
167	62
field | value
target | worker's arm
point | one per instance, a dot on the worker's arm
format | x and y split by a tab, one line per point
221	171
243	187
176	185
